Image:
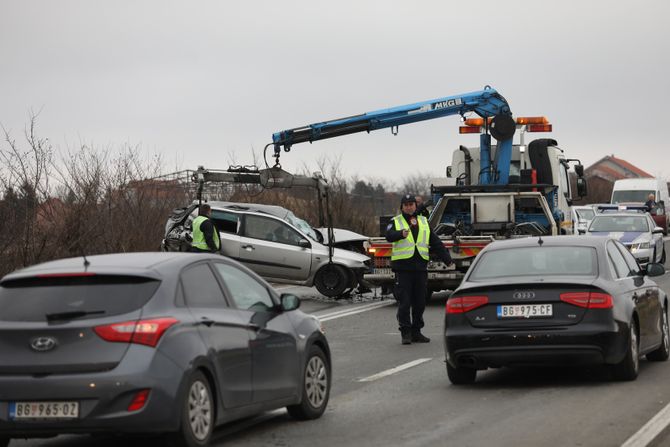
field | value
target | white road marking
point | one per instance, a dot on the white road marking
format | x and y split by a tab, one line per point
388	372
352	311
650	430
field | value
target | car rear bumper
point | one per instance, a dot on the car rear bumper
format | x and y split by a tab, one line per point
103	399
572	345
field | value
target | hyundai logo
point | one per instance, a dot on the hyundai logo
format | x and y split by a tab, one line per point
42	344
523	295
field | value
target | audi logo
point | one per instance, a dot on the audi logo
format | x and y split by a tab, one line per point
42	344
523	295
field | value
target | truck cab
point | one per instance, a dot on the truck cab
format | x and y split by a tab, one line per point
540	162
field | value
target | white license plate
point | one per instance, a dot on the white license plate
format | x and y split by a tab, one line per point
524	310
43	410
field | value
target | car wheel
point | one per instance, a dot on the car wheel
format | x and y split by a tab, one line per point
315	387
4	442
663	352
460	375
629	367
197	417
332	280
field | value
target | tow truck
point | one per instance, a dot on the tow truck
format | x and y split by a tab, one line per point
490	192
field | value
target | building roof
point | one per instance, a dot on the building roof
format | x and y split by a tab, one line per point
617	168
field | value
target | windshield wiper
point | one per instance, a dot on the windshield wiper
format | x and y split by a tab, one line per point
73	314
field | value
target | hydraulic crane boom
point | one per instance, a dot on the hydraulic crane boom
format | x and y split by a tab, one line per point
487	103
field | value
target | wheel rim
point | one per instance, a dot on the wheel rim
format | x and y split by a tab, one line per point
316	381
199	410
331	279
633	347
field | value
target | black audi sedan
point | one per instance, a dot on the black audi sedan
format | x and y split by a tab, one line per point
154	343
562	300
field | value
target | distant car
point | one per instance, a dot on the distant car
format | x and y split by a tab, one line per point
152	343
581	217
637	231
276	244
561	300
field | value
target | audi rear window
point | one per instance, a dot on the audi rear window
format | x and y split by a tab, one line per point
70	297
536	261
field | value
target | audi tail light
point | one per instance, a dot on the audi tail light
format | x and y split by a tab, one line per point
588	300
143	332
462	304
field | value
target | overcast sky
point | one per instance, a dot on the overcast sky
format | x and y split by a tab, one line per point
208	82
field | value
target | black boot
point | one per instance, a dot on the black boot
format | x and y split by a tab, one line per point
418	337
406	336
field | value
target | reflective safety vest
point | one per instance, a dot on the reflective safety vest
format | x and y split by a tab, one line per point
404	248
199	241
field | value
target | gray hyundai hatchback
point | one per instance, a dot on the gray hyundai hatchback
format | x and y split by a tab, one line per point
155	343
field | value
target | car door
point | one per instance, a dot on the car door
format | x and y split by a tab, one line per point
276	364
224	332
644	294
271	248
228	225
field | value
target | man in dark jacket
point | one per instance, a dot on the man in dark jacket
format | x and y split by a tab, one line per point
651	202
412	240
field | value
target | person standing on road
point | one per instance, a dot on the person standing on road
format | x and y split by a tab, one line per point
205	234
412	240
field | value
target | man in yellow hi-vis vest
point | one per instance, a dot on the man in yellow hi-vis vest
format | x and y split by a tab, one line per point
205	235
412	240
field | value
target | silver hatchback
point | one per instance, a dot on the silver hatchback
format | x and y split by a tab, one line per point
275	243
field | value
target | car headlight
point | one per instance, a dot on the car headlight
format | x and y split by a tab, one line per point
640	246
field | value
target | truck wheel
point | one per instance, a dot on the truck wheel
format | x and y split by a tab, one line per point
332	280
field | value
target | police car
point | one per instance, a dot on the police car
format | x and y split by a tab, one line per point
636	230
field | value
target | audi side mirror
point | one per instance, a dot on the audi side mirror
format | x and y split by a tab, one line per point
655	269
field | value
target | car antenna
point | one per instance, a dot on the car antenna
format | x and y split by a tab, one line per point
539	240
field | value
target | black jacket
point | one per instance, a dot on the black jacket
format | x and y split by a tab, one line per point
416	262
207	228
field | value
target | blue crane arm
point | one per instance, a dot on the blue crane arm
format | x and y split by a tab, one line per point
485	103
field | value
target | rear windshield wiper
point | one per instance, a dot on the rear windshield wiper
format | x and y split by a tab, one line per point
73	314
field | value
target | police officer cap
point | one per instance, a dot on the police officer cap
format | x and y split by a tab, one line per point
407	198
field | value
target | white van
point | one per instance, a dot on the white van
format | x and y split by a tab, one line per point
637	190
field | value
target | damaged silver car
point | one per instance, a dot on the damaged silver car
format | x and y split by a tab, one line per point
276	244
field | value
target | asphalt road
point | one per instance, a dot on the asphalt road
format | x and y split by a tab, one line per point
388	394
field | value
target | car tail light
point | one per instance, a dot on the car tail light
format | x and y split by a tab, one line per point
139	400
143	332
588	300
462	304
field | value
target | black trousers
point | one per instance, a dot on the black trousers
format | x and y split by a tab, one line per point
410	291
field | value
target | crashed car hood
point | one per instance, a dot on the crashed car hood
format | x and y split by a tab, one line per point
341	235
625	237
